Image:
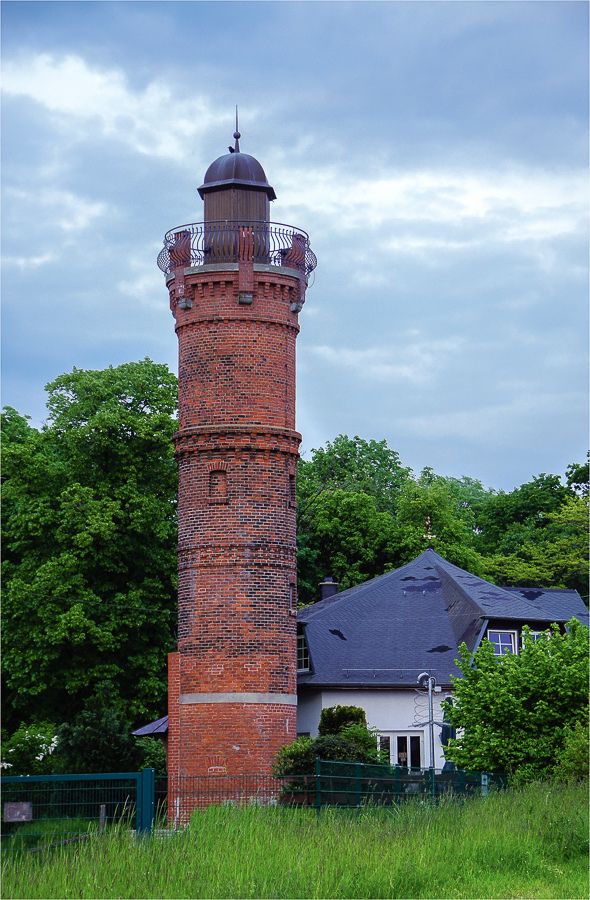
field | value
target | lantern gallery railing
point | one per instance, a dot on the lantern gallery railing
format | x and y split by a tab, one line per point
267	243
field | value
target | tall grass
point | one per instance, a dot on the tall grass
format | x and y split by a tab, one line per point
524	843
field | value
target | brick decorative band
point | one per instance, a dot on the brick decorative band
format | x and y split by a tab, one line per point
280	699
236	429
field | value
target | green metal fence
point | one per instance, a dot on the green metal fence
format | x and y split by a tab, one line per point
185	793
355	785
44	811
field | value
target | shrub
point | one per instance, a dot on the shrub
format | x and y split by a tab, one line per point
343	737
334	718
574	760
98	741
30	750
154	754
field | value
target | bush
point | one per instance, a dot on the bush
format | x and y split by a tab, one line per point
154	754
299	758
98	741
334	718
343	737
574	761
30	750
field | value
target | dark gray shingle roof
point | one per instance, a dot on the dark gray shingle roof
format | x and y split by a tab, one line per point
386	631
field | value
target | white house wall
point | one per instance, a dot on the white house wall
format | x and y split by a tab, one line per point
393	713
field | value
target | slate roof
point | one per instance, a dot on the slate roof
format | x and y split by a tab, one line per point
160	726
386	631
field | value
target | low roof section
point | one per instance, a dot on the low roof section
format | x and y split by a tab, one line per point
388	630
160	726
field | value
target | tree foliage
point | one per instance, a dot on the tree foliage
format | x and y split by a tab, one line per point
89	536
98	740
333	719
361	513
515	710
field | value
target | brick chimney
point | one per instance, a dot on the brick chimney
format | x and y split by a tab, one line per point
328	588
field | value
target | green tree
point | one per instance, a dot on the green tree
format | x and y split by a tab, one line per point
98	740
510	520
351	464
452	523
350	539
89	536
554	556
578	476
515	710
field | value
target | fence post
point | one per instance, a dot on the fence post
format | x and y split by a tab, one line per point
358	785
318	785
146	790
484	784
433	783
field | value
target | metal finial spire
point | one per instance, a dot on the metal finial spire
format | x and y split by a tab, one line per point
429	533
237	134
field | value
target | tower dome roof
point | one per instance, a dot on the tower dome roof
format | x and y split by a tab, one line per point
236	170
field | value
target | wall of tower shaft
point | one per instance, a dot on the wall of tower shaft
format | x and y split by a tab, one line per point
237	450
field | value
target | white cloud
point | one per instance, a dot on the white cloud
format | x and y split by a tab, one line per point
28	262
514	423
443	211
418	362
147	284
152	121
63	209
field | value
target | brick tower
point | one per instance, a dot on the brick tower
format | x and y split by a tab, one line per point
237	283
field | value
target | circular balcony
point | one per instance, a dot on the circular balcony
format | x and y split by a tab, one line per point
267	243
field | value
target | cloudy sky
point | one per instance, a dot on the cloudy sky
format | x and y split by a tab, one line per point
436	153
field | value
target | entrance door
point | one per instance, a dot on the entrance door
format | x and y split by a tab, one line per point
404	749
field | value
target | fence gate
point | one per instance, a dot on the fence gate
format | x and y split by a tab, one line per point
43	811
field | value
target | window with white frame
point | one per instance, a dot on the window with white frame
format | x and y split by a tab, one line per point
502	641
302	654
402	749
535	636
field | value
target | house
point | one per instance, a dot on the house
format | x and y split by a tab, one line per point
368	645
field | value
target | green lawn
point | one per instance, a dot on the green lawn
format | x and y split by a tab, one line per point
529	842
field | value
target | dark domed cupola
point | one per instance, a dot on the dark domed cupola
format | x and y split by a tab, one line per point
235	188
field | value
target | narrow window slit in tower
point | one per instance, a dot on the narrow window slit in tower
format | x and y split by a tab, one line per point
217	486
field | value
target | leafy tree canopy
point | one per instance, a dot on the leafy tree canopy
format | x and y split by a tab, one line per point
515	710
351	464
554	556
89	536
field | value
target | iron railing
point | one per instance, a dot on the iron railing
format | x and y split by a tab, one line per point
267	243
355	785
185	793
44	811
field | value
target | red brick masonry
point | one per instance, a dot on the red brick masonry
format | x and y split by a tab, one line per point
232	684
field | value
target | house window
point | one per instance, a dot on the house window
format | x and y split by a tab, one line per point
503	641
404	749
302	654
535	636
